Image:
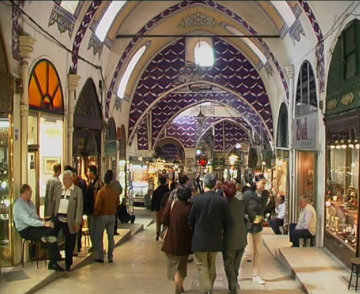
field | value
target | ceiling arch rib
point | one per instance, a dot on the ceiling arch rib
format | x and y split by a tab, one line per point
170	12
228	132
188	130
167	70
169	107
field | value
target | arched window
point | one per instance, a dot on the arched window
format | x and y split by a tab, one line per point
108	18
204	54
45	91
306	100
129	69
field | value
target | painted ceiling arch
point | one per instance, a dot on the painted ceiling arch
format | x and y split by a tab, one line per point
167	109
171	11
227	133
188	130
164	73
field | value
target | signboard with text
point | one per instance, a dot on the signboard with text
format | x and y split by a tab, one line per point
306	132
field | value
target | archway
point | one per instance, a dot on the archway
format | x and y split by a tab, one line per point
282	134
88	124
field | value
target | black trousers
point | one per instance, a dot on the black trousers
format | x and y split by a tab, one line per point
275	224
35	234
70	240
129	217
115	226
295	235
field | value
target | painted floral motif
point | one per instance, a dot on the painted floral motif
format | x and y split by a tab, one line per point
65	20
348	99
331	105
197	19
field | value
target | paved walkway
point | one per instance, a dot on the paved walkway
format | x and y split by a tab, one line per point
140	267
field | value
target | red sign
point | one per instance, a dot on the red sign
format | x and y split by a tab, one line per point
203	162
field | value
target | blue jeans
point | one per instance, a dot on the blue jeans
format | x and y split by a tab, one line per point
102	222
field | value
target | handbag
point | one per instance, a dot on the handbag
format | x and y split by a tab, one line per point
164	232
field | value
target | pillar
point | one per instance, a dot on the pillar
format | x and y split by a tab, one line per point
73	82
292	176
26	47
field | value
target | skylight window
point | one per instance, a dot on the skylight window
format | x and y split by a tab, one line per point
204	54
129	69
108	18
69	6
248	42
285	11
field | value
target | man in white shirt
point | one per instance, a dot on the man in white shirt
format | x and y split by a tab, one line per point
306	226
280	211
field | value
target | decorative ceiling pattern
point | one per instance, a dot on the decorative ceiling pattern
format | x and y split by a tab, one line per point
227	135
231	70
142	136
188	131
170	12
174	103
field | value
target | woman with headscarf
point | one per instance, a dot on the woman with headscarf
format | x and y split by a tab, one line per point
177	241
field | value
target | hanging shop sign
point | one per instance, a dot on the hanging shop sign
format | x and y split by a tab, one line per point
110	148
305	132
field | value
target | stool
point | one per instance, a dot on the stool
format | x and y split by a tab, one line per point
311	239
355	262
37	248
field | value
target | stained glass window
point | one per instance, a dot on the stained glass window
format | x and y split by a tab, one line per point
45	91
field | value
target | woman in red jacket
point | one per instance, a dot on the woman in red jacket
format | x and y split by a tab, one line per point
177	242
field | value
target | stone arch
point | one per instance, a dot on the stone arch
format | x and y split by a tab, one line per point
165	142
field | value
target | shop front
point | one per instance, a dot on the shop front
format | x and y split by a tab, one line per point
45	128
88	124
122	162
6	163
343	145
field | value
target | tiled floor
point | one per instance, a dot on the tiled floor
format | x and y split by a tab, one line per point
140	267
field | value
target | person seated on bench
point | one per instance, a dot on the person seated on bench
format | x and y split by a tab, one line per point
306	226
278	221
122	213
31	227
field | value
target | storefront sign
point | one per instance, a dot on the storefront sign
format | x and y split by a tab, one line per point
305	132
110	148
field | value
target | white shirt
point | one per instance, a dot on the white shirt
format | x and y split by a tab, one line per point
280	210
64	203
307	220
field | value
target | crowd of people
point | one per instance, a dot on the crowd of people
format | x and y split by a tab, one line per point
67	204
222	217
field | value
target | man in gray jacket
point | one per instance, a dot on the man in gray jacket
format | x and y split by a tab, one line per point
68	211
51	186
209	216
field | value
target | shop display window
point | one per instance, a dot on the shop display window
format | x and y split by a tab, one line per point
4	182
343	192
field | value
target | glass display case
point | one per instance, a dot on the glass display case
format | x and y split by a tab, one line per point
4	191
343	192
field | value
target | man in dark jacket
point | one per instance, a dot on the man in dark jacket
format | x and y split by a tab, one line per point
155	203
235	236
94	186
256	200
209	216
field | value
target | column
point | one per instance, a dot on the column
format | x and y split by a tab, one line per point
26	47
73	82
292	178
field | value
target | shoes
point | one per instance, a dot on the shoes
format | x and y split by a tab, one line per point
111	261
258	280
190	260
67	268
116	234
248	260
91	249
157	238
56	267
99	260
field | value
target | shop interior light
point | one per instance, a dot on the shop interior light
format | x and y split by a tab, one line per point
338	147
198	152
351	146
357	146
343	146
238	146
4	184
7	202
332	146
232	159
